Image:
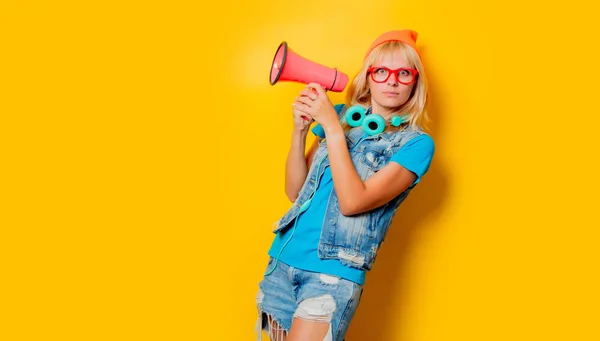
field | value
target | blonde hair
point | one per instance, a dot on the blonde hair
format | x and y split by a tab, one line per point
415	107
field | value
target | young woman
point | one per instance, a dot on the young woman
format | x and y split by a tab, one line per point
370	153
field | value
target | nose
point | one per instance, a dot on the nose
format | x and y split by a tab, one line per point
393	80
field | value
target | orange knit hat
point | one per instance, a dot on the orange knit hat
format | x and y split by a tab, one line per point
408	37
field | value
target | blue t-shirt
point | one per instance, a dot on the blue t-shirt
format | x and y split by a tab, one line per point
301	250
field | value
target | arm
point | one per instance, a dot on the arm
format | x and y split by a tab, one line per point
354	195
298	164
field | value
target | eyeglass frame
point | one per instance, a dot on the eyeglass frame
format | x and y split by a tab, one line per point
413	72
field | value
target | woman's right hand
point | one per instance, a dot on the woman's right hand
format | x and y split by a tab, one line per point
302	120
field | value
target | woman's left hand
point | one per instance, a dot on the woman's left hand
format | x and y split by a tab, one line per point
316	103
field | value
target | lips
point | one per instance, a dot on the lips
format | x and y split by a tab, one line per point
390	93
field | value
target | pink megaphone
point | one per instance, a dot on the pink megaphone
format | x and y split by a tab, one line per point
289	66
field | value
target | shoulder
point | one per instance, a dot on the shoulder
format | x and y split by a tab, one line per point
422	138
416	154
420	142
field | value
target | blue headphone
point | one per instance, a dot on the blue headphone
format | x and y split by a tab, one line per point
358	116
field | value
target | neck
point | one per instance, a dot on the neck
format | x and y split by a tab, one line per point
379	110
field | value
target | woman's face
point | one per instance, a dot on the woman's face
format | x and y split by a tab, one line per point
391	82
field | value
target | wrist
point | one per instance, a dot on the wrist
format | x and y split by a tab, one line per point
300	132
299	138
332	130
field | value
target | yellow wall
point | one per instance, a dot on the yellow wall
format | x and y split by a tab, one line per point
143	151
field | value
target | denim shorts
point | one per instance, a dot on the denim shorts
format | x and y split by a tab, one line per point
290	292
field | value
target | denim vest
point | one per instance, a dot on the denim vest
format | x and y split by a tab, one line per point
354	240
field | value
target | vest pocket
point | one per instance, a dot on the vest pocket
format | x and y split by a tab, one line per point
351	230
370	162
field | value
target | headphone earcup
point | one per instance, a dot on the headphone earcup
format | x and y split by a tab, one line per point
398	120
373	124
318	131
355	115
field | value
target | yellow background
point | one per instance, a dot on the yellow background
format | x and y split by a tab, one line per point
143	151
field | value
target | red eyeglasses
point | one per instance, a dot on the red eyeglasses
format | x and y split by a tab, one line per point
380	74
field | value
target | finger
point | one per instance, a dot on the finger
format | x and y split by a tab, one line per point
310	94
299	111
303	115
317	88
301	107
305	100
305	105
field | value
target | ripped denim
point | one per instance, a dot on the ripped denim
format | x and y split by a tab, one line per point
289	293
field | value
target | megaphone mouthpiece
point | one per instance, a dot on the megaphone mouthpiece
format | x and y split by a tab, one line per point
289	66
278	63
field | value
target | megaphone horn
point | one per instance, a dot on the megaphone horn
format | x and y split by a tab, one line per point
289	66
